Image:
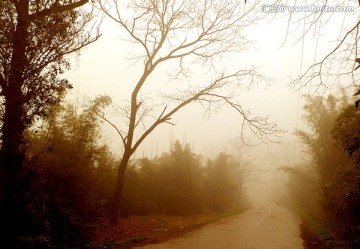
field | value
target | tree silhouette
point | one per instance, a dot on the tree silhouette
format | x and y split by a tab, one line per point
35	37
186	33
341	60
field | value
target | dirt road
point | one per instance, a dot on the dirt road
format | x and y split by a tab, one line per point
265	227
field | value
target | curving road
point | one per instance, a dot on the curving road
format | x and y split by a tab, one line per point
266	227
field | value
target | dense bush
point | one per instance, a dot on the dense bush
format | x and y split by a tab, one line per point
334	170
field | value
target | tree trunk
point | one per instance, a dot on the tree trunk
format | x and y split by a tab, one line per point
238	198
118	188
11	153
13	126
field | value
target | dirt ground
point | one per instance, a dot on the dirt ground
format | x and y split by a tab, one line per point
144	230
141	230
262	227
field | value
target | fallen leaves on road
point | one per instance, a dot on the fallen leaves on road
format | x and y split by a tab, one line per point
139	230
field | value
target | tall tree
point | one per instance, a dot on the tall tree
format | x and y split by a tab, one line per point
347	183
333	129
187	34
320	116
244	170
35	37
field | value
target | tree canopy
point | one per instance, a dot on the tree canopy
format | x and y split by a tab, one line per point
35	38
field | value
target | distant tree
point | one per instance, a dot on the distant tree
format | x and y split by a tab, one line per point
187	33
168	184
304	188
244	169
180	182
219	184
35	37
150	182
180	178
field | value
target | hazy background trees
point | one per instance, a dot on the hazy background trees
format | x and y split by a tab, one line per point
220	191
71	174
181	182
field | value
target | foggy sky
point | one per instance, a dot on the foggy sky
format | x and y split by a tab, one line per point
105	68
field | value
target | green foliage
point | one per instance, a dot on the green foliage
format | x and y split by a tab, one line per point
346	194
67	154
35	37
333	130
48	39
346	130
70	173
320	116
323	233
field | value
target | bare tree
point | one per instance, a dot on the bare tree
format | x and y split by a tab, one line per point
192	34
245	170
341	61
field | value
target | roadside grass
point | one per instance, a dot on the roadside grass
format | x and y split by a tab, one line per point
322	233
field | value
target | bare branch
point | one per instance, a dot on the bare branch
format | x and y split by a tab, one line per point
340	61
114	126
320	64
259	126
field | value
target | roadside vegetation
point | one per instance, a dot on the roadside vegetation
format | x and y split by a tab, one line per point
59	180
71	177
57	175
326	188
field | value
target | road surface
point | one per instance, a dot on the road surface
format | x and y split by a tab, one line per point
264	227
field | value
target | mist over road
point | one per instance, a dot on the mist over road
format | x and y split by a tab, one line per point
263	227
